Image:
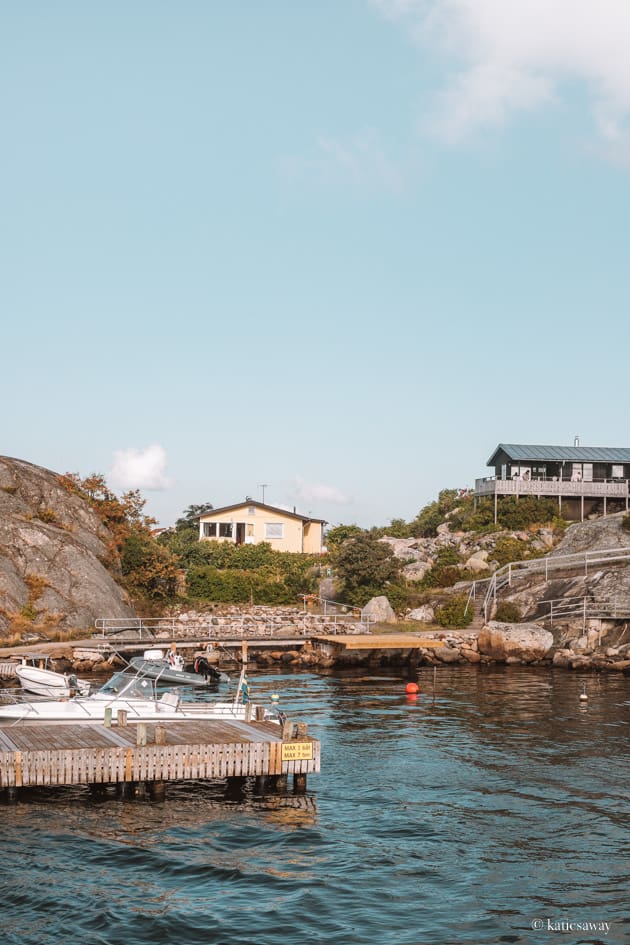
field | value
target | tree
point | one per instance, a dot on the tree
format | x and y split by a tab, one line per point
365	566
189	516
148	569
339	533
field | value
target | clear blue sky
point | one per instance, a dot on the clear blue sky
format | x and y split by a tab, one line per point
343	248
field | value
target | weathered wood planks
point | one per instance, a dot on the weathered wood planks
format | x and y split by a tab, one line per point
40	755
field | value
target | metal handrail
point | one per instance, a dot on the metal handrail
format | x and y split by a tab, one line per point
234	623
612	609
504	574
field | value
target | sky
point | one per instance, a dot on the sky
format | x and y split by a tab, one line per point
326	253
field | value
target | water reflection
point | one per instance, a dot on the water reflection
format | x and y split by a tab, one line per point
494	798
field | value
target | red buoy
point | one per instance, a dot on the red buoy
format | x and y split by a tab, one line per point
412	687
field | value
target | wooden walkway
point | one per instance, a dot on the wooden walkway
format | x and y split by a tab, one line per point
35	754
378	641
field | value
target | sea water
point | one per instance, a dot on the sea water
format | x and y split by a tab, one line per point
491	808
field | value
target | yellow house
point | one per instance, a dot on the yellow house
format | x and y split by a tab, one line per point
251	522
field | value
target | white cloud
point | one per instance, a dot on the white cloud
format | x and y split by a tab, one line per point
510	55
140	469
312	493
359	159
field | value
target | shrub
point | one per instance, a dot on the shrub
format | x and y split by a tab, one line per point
239	587
507	612
444	572
453	613
428	519
509	549
365	567
47	515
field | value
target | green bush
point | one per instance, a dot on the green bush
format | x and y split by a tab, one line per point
426	522
444	572
232	586
509	549
507	612
453	613
519	513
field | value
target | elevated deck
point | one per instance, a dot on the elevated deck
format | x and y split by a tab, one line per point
552	487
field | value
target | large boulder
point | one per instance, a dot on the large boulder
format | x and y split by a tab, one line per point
415	572
52	544
379	610
525	642
477	563
424	613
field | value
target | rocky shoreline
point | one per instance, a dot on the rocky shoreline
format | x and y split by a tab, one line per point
494	643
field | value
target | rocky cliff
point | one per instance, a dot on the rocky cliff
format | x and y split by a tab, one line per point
52	545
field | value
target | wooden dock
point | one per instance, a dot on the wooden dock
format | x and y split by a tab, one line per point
142	758
380	641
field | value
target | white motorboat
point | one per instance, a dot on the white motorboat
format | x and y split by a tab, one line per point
138	697
36	678
169	670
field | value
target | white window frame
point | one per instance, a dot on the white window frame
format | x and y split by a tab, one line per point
274	526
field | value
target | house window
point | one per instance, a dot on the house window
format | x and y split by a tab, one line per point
251	510
274	530
616	471
225	530
209	529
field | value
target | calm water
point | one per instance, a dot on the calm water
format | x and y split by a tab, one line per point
496	802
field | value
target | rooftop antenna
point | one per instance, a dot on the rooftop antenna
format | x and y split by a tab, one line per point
576	440
263	486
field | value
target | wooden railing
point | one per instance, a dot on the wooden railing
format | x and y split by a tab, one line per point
559	487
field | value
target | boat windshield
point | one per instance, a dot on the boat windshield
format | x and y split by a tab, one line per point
131	687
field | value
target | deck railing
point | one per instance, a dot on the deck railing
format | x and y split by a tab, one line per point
609	488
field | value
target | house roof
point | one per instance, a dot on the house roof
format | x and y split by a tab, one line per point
260	505
559	454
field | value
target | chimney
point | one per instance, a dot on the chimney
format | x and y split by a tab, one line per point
576	441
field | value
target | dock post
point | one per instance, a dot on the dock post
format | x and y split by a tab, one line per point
98	789
234	789
157	790
160	735
261	784
299	783
11	793
107	719
122	718
125	790
141	734
279	783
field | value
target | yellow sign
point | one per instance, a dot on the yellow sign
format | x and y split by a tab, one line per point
297	751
